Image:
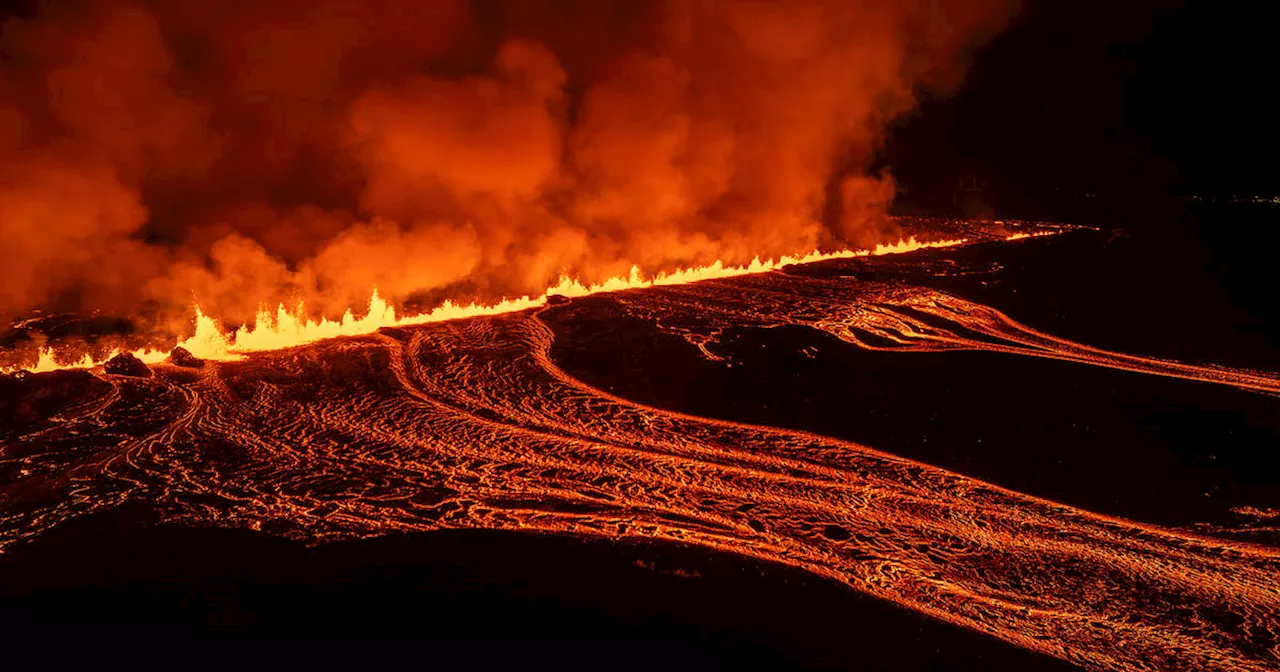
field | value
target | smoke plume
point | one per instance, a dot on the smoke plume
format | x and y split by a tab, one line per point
156	154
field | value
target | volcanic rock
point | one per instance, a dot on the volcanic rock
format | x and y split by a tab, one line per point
125	364
396	333
557	299
183	357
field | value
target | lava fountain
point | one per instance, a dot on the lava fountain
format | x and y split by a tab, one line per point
285	328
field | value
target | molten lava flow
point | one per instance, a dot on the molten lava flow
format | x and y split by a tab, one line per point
471	424
895	324
286	329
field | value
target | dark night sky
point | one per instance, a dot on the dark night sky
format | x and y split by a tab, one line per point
1132	100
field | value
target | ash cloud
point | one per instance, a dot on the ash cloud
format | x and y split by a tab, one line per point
156	154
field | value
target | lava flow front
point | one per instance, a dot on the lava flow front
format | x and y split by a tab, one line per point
471	424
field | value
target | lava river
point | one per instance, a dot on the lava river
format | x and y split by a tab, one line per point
471	424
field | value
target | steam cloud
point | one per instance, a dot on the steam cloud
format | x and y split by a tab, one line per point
153	154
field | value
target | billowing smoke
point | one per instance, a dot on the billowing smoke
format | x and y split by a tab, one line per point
155	154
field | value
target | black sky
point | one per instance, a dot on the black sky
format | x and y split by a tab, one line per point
1134	100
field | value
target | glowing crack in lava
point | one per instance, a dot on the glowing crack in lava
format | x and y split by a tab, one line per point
470	424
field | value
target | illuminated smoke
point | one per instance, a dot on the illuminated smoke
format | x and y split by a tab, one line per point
155	154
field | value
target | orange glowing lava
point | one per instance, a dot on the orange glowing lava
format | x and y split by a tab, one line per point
285	328
473	424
